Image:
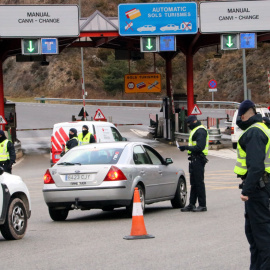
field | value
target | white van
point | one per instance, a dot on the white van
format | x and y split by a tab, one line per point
102	131
236	131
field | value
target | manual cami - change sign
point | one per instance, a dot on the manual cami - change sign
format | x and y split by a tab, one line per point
39	21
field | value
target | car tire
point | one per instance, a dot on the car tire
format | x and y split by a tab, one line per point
234	145
58	215
180	197
15	224
142	198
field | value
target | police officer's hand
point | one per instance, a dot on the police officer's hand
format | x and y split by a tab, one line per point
244	198
182	148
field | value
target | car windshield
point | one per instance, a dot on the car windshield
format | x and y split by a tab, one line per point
92	156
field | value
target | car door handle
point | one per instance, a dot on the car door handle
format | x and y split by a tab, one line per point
160	172
142	172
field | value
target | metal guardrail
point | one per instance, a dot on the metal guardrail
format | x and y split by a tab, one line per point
108	101
133	102
212	137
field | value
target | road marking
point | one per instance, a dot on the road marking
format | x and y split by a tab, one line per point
140	133
223	153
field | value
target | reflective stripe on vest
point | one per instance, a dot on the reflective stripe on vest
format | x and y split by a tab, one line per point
66	149
4	154
241	164
193	143
84	140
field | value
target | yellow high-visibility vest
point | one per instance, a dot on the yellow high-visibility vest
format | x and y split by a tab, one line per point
66	149
84	140
4	154
241	164
193	143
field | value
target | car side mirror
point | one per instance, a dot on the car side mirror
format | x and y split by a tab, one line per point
124	139
168	161
1	170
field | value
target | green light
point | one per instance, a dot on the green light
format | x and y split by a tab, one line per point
229	42
30	49
30	46
149	44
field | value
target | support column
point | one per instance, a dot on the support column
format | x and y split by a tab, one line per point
2	108
190	91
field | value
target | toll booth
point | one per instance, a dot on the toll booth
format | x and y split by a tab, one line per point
175	122
10	116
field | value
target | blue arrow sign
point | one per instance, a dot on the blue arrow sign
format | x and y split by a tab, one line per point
157	19
49	46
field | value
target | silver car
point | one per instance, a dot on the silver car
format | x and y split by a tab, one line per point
104	176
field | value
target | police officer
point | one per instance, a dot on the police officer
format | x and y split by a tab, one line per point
86	137
7	153
73	139
197	150
253	166
266	120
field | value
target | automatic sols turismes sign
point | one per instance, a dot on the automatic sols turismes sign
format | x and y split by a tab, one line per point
157	19
143	83
39	21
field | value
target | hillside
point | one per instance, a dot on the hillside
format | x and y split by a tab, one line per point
62	77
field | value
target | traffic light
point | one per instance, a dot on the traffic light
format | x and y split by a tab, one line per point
149	44
229	42
30	46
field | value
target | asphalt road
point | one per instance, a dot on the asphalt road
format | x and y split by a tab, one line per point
94	239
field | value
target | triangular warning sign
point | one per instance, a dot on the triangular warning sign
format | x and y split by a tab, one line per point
81	112
99	115
2	120
196	110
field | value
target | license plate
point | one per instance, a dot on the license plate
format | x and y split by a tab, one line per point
79	177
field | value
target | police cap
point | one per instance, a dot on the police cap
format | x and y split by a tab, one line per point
245	106
191	119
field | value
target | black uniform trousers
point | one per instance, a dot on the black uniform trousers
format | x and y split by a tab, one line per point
196	170
6	166
257	229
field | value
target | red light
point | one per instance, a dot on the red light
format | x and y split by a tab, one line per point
115	174
232	130
48	178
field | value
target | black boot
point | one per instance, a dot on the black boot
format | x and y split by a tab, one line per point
200	209
188	208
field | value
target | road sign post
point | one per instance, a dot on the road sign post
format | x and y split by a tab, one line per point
212	87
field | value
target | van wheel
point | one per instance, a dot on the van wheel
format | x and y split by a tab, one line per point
15	225
58	215
234	145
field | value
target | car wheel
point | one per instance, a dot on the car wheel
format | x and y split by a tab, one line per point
234	145
58	215
180	197
142	199
15	224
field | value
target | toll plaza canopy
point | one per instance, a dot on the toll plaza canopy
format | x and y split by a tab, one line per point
99	31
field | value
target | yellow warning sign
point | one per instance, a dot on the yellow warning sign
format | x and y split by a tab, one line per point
142	83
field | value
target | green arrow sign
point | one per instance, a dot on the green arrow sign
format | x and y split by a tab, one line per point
30	49
30	46
229	43
149	44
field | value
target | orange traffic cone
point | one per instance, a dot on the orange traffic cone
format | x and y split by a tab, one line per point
138	230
